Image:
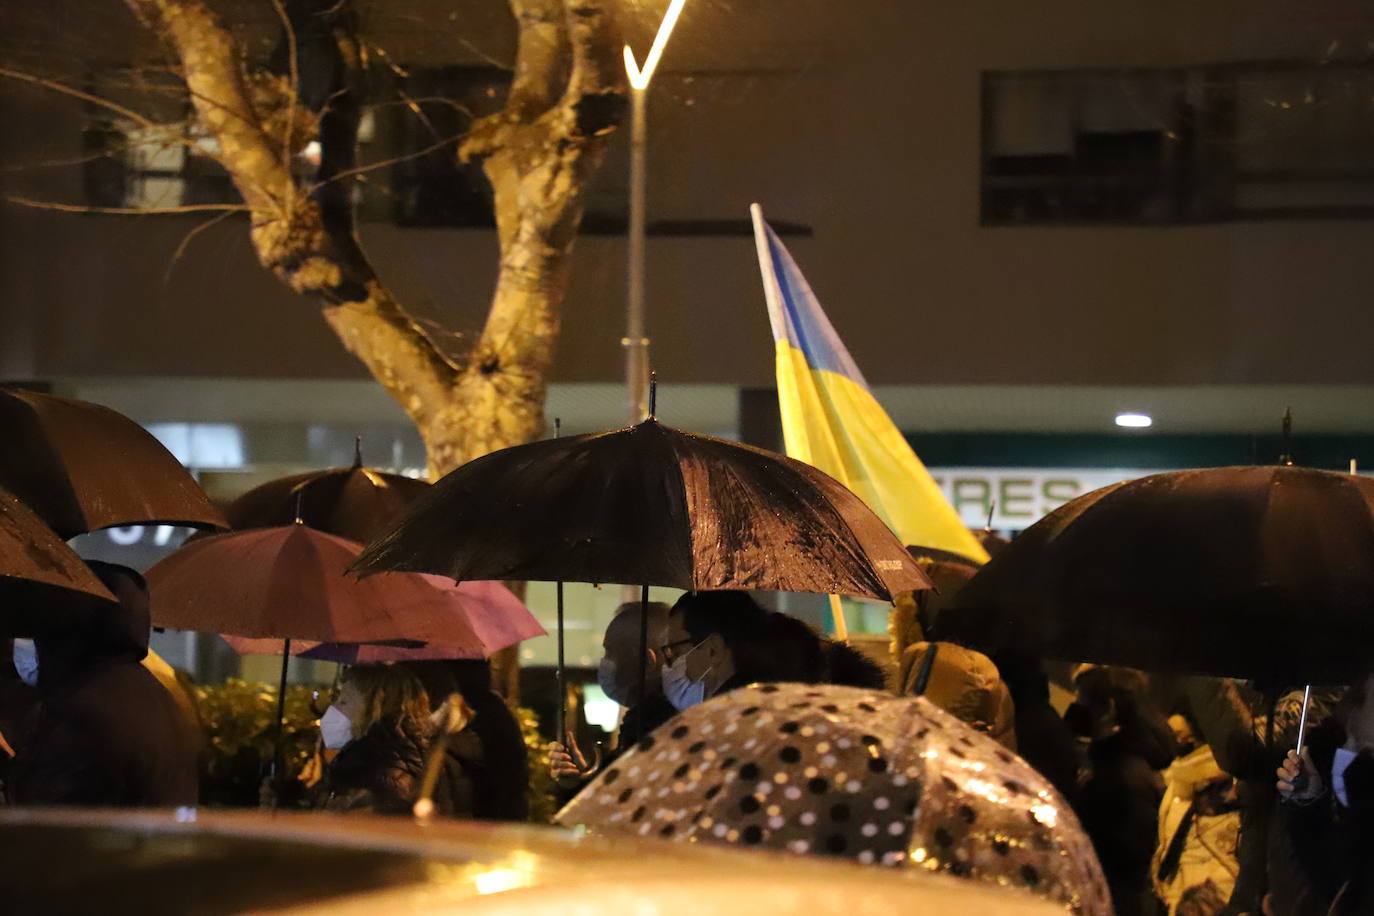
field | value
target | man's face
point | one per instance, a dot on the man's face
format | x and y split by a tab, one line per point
620	646
679	642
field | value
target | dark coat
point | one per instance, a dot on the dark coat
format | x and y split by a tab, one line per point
1118	804
1321	855
382	772
499	762
106	733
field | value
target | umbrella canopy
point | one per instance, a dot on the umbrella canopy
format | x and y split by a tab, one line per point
82	467
494	615
355	503
289	583
648	505
41	578
841	771
1261	572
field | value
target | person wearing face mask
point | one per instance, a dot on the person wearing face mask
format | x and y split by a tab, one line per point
107	733
618	676
18	702
380	724
1322	858
719	640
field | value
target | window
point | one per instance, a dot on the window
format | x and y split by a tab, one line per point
1185	145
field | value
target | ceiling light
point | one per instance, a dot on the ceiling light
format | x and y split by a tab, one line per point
1134	420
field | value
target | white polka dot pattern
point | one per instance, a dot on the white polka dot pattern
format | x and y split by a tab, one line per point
853	773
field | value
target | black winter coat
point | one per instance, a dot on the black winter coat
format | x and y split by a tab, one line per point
496	759
106	732
382	772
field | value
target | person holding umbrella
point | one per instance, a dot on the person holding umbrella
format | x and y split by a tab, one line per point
1320	862
381	726
619	675
107	733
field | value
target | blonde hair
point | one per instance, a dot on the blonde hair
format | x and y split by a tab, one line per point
390	693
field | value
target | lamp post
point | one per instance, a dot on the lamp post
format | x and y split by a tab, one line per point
636	341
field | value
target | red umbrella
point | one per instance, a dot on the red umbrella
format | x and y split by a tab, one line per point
82	467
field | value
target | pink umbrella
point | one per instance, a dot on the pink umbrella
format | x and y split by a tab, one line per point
494	619
288	583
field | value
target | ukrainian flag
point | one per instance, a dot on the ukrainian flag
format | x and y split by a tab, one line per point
831	420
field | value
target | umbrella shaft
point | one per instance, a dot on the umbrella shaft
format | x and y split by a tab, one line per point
643	657
279	757
561	717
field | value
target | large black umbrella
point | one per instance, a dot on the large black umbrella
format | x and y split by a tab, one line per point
81	467
43	583
1263	572
356	503
648	505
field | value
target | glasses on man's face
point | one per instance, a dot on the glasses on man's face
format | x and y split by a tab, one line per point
675	650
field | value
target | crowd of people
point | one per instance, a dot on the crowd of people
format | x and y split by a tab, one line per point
1186	785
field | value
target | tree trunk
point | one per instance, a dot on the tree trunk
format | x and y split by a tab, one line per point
539	153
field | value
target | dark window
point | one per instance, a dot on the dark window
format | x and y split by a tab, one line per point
1195	144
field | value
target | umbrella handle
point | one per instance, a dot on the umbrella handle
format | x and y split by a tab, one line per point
453	720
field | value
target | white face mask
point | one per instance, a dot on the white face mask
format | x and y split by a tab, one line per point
26	661
682	691
335	728
1344	757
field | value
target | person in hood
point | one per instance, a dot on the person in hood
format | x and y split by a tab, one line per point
1195	867
618	674
1129	741
382	727
106	733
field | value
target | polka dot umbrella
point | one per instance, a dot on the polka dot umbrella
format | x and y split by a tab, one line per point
854	773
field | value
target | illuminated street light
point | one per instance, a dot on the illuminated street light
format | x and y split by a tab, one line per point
636	342
1134	420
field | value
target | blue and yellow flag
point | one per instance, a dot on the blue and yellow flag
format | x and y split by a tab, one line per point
831	420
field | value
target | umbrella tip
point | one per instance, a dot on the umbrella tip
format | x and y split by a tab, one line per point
300	492
558	427
653	395
357	451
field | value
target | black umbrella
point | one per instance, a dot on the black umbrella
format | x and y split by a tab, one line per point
43	583
82	467
1264	572
356	503
648	505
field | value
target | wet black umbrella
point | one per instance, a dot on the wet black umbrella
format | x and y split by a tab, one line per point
648	505
1263	572
355	502
43	583
82	467
812	769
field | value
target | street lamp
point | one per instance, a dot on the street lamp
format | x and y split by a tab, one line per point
636	342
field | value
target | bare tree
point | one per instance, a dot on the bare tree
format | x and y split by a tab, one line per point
538	152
